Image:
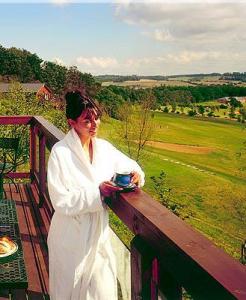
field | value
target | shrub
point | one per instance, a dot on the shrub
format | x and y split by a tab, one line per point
210	114
192	113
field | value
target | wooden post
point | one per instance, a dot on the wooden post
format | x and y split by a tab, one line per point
33	152
42	171
155	279
149	279
136	274
141	270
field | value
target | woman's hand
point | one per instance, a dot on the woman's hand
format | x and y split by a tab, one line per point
107	188
135	178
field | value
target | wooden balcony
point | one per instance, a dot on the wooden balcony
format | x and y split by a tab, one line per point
167	255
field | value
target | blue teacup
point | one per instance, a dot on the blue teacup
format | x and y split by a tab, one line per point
122	179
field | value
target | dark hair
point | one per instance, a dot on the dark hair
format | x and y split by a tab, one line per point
76	103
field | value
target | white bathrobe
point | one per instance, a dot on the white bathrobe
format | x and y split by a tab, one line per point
81	261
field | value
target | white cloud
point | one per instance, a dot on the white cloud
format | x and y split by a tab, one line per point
60	2
179	62
98	62
189	57
182	21
159	35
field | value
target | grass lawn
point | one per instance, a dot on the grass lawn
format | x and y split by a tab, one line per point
210	185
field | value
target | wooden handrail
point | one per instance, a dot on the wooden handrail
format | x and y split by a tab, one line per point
176	253
52	133
187	255
12	120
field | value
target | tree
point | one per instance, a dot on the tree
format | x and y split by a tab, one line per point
137	124
191	113
20	102
232	112
81	81
54	76
242	112
165	110
235	103
174	106
164	194
73	79
110	102
201	109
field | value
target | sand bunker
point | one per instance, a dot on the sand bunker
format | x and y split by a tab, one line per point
180	148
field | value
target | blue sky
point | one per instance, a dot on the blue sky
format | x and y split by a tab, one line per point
131	38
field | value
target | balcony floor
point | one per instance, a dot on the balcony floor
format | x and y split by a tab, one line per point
33	225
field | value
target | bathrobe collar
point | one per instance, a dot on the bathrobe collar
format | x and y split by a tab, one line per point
74	143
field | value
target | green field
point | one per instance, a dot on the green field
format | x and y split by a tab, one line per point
210	185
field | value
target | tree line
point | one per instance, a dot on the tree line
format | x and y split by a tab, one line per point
235	76
22	66
113	96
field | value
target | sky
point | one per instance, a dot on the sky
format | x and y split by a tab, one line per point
130	37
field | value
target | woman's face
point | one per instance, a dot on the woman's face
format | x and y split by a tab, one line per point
86	125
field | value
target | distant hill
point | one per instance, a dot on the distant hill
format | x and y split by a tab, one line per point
121	78
234	76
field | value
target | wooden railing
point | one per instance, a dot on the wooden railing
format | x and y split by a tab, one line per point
167	254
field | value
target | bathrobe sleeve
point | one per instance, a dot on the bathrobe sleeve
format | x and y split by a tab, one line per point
123	163
68	200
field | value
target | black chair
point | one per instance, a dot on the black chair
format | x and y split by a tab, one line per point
8	159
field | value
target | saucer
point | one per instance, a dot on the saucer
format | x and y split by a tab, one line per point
130	187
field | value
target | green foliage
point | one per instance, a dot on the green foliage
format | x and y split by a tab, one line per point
161	187
232	112
187	94
223	106
23	66
19	64
235	103
165	110
210	114
201	109
182	95
192	113
81	81
164	193
54	76
137	124
20	102
242	112
109	101
174	106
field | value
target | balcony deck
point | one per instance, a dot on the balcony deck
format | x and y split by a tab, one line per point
167	255
33	236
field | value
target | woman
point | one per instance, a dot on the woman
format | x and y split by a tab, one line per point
80	168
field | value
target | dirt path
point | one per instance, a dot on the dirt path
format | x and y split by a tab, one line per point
180	148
